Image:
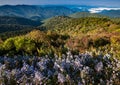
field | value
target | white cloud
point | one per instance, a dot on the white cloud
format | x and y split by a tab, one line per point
100	9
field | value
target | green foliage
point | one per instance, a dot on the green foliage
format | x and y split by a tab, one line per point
45	51
9	44
35	42
39	37
16	45
1	49
24	44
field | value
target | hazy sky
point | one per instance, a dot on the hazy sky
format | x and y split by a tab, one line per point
112	3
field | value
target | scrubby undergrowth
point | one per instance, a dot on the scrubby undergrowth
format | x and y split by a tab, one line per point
70	69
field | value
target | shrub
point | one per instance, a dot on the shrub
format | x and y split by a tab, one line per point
9	44
24	44
101	42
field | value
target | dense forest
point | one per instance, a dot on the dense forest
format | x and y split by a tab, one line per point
58	34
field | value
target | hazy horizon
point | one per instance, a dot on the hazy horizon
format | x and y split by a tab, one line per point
106	3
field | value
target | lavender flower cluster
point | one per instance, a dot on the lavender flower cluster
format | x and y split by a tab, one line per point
82	69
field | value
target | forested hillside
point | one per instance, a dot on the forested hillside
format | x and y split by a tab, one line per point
81	25
8	24
61	33
18	21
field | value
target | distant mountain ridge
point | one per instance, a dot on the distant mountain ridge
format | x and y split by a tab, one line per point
111	13
40	12
34	12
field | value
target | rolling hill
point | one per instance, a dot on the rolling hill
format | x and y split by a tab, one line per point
86	14
84	24
16	23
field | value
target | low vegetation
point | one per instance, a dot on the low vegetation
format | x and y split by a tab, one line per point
75	69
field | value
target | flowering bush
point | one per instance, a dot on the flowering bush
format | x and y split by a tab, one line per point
82	69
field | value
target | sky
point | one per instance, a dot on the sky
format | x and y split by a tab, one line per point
109	3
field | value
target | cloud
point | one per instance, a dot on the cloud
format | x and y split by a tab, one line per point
100	9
